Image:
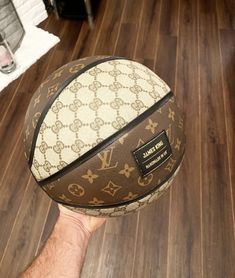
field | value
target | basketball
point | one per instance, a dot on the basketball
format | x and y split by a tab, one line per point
104	136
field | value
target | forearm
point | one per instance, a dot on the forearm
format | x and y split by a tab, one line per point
63	253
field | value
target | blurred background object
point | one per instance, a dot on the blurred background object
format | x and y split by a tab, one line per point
11	25
7	61
80	9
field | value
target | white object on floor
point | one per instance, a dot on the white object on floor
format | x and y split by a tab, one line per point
35	44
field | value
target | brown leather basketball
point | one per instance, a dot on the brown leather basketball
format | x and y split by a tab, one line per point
104	136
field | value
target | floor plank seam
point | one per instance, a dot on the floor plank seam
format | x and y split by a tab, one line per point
200	137
226	129
119	28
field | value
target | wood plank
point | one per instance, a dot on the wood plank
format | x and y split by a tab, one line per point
110	28
93	255
6	97
169	17
129	29
185	226
226	14
217	231
152	238
147	41
26	232
165	65
117	262
151	244
227	45
12	192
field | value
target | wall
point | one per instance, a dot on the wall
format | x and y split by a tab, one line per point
30	11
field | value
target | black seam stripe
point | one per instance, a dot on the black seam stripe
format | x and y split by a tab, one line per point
106	142
129	201
54	97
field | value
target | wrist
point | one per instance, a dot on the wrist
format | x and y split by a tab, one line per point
73	225
87	223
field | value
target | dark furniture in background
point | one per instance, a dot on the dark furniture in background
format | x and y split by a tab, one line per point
79	9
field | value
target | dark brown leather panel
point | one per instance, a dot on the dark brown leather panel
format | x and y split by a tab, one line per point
112	177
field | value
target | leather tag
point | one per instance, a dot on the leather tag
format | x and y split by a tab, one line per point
153	154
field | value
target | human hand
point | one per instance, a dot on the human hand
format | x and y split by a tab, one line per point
65	250
88	223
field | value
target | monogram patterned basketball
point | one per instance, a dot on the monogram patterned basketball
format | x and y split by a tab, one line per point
104	136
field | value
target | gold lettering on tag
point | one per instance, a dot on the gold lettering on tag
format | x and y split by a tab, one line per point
106	157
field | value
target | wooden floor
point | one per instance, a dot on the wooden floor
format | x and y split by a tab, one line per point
189	232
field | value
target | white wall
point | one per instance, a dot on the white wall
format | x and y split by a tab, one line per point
30	11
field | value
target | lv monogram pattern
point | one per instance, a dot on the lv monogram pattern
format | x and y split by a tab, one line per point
92	107
112	177
129	208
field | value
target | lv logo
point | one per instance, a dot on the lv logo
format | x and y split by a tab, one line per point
106	159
